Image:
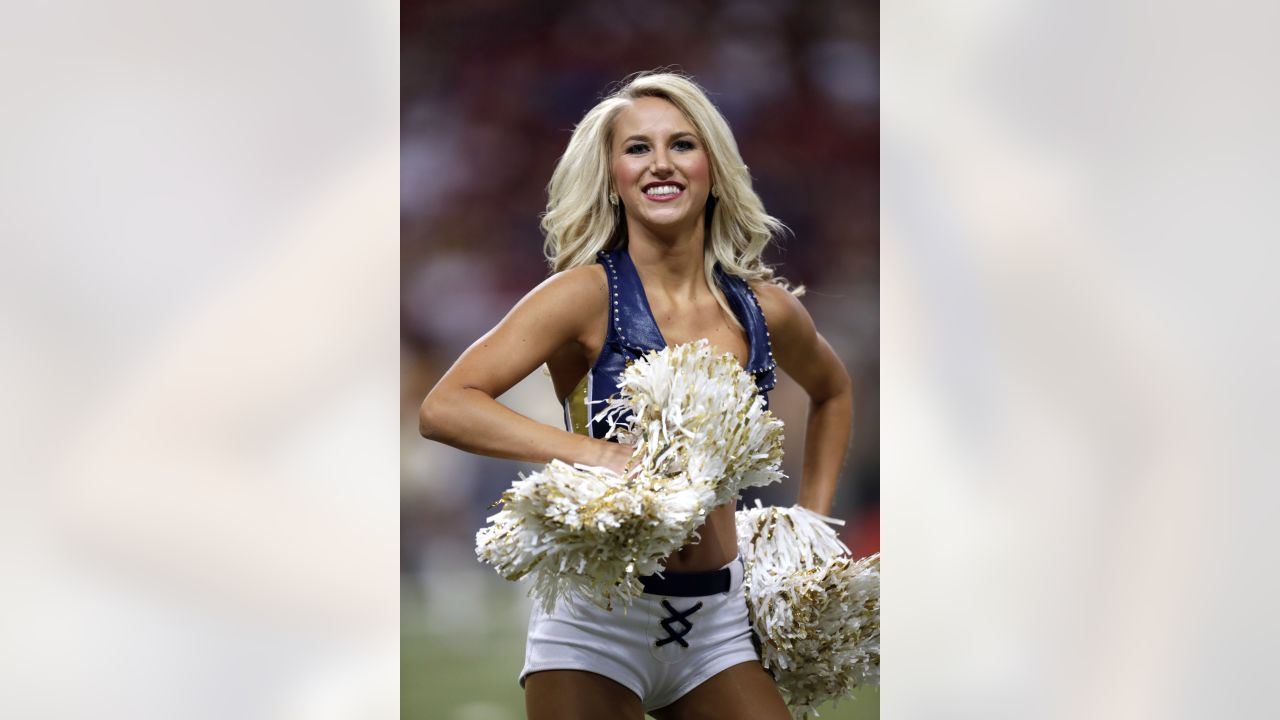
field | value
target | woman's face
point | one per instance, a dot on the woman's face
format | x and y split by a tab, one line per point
661	171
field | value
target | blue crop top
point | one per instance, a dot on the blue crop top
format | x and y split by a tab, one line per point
633	331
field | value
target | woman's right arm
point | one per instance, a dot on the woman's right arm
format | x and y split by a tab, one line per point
462	410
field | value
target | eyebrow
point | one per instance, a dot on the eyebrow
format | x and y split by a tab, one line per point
674	135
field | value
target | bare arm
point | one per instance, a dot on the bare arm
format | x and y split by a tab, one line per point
807	357
462	410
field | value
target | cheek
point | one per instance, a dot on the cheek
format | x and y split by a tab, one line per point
623	173
698	168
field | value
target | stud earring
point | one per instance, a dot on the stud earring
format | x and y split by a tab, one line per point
613	198
714	192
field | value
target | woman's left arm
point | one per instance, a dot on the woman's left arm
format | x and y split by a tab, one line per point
807	358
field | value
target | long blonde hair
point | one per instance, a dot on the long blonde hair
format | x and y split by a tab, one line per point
580	221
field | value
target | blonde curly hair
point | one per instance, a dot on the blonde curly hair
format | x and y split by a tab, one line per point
580	221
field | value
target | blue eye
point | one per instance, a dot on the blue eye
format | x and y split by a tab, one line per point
683	145
636	148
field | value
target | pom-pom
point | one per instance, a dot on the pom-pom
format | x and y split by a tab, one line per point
815	609
693	411
589	530
701	434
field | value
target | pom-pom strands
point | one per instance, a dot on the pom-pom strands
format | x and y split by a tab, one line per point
701	434
792	537
815	609
589	530
691	411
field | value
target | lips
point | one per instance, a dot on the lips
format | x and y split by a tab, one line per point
663	191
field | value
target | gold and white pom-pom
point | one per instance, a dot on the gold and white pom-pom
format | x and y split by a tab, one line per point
815	609
589	530
697	412
701	434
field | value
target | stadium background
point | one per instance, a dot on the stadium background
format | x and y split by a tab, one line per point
490	91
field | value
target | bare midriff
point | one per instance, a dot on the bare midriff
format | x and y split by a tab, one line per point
717	546
717	543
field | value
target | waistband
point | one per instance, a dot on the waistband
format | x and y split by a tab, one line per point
695	584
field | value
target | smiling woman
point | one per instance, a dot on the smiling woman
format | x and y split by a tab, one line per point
661	148
654	235
587	207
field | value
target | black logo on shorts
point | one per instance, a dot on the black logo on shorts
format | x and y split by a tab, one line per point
677	616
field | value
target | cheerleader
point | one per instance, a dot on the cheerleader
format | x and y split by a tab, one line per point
654	237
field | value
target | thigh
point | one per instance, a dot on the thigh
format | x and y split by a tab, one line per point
578	695
742	692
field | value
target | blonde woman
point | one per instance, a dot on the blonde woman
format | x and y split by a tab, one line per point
654	236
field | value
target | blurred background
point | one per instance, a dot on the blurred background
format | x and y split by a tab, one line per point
490	92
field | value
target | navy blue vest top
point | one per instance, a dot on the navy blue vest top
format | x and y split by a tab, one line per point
633	331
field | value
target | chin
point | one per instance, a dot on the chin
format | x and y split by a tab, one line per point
666	222
673	217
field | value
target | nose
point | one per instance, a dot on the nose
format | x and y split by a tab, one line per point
660	166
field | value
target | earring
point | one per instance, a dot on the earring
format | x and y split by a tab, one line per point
714	192
613	198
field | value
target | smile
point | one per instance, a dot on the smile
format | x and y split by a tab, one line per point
663	192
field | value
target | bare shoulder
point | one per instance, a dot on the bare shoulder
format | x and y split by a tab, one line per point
570	300
799	348
584	279
783	312
583	287
558	313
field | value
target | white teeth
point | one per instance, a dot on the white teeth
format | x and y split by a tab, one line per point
662	190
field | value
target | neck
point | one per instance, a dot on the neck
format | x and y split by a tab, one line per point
673	260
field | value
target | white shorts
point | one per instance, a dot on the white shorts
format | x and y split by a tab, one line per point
685	628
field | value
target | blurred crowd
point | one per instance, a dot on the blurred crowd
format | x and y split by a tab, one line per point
491	90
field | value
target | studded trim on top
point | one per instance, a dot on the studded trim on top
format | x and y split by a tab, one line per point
632	326
768	382
614	320
630	311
